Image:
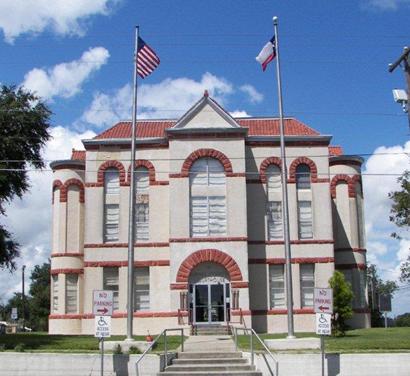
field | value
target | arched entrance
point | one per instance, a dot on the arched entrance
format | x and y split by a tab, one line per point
209	294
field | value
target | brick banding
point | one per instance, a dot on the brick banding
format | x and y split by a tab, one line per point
281	242
108	164
299	161
295	260
66	271
265	164
208	255
57	184
67	254
203	153
143	163
209	239
79	184
98	264
342	178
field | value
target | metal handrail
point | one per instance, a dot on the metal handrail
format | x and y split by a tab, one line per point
163	333
253	333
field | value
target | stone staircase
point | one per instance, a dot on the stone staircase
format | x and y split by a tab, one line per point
215	329
210	355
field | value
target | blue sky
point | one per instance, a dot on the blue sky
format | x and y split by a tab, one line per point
334	58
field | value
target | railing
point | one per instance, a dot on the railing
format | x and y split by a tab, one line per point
252	333
163	334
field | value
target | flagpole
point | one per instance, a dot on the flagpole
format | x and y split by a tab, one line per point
285	205
131	221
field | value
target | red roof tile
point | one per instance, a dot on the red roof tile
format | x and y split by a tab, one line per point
335	150
78	155
257	127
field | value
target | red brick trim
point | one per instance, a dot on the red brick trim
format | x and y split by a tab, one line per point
201	153
98	264
125	245
295	260
143	163
57	184
160	182
265	164
117	315
205	135
211	255
296	163
66	271
296	242
79	184
67	254
240	285
358	250
107	164
209	239
287	143
241	312
179	286
277	311
359	266
342	178
66	316
93	185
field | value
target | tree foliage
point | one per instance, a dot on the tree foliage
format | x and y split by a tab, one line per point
342	303
400	216
24	130
403	320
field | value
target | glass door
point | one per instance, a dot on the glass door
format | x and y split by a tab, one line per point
201	306
210	303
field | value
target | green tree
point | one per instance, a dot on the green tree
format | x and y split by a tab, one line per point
403	320
39	300
24	130
342	303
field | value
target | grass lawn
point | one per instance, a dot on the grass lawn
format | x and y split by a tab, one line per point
359	340
43	342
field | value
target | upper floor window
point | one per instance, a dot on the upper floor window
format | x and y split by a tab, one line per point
274	203
208	198
142	287
111	283
302	176
54	292
71	293
111	181
307	284
305	220
142	204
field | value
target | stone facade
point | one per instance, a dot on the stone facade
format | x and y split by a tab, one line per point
242	254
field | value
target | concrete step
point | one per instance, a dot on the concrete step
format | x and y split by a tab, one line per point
209	355
210	367
210	361
207	373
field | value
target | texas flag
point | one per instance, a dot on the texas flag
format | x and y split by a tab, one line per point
267	54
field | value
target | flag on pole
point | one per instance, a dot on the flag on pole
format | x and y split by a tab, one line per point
147	59
267	54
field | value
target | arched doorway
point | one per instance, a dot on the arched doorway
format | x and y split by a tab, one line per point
209	294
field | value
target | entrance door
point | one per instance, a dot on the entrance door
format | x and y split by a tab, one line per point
210	302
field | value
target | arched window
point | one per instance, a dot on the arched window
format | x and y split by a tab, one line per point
208	198
302	176
274	203
111	205
142	204
304	197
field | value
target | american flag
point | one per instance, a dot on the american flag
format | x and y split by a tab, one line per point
147	59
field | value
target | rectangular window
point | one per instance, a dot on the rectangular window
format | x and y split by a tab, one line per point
110	282
208	216
277	286
305	219
111	222
71	293
307	284
142	221
54	279
275	224
141	298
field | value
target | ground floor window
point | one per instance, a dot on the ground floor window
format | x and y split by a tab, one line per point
357	280
307	284
277	286
71	293
110	282
142	287
54	279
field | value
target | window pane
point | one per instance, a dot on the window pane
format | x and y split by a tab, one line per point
305	219
111	223
275	224
71	293
302	177
307	284
112	181
141	297
142	221
55	292
277	286
273	178
217	215
208	215
110	282
216	172
199	216
141	180
198	173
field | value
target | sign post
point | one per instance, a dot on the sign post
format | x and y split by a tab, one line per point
323	304
102	310
14	314
385	306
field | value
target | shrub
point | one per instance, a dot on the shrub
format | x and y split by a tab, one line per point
134	350
20	347
117	349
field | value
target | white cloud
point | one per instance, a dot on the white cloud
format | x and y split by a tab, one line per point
170	98
60	16
65	79
239	113
29	218
386	4
253	94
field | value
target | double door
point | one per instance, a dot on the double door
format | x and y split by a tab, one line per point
210	303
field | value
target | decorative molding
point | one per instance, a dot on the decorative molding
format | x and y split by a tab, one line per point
342	178
209	239
125	245
143	163
67	254
265	164
302	160
179	286
203	153
57	184
208	255
278	311
99	264
79	184
107	164
281	242
67	271
117	315
294	260
240	285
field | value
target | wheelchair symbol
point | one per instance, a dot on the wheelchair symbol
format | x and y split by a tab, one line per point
102	322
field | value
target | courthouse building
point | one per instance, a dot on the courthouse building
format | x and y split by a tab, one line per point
209	232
